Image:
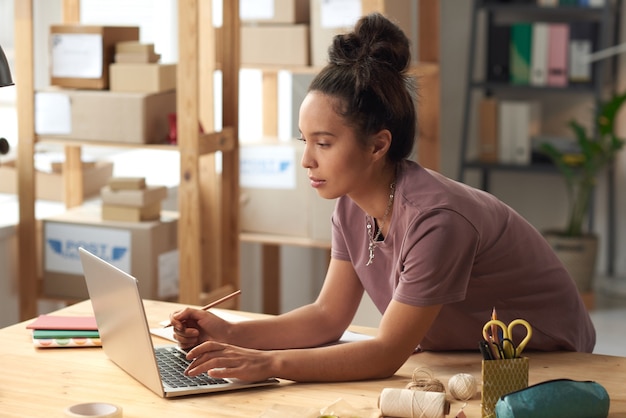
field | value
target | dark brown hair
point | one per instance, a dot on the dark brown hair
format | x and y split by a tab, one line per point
368	72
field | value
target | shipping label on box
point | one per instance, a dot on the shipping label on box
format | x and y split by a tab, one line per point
274	11
62	242
76	55
268	167
146	250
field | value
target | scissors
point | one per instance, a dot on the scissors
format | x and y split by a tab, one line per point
506	347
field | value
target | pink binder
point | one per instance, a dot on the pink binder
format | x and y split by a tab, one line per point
558	40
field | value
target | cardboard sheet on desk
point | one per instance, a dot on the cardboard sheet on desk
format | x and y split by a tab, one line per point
168	333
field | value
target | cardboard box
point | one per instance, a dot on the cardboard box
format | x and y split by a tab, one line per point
276	196
331	17
142	77
51	186
121	213
275	45
133	47
80	55
138	118
281	11
127	183
146	250
136	57
133	198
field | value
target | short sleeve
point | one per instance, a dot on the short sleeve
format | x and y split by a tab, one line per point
437	258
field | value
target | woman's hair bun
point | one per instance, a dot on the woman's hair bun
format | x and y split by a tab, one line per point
375	42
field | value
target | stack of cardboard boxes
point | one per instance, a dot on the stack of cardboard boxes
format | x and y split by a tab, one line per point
299	32
136	69
130	199
95	96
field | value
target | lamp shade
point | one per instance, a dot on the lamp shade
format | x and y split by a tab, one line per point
5	72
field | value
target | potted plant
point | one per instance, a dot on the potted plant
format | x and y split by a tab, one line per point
580	172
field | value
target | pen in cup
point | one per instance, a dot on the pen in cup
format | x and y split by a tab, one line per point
214	303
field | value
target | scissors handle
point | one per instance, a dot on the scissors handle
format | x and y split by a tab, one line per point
529	333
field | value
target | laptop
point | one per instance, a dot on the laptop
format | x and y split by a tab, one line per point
126	338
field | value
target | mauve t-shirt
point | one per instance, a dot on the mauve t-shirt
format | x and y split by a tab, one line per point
452	244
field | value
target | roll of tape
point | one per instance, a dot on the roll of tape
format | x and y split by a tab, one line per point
94	410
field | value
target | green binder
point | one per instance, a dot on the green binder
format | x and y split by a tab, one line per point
521	41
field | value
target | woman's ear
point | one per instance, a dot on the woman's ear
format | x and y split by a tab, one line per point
381	141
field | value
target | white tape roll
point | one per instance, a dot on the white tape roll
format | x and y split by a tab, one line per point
94	410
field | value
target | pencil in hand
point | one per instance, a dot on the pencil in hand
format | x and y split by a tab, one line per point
214	303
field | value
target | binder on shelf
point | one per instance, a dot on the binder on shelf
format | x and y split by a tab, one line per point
488	130
539	55
558	40
521	42
518	122
498	53
582	42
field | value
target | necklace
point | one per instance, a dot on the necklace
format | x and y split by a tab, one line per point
373	239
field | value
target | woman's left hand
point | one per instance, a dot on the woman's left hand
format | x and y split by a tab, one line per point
222	360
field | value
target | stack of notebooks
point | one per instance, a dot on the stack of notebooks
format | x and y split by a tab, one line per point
130	199
51	331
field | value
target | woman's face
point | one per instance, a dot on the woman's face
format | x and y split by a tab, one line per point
336	160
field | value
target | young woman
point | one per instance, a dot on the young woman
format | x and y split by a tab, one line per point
435	256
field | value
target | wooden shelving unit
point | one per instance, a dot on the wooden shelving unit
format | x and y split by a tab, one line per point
208	200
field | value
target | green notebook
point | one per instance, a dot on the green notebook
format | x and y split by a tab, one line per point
42	334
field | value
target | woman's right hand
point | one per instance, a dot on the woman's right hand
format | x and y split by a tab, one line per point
194	326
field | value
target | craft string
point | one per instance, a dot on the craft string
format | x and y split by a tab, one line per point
462	386
406	403
424	380
423	397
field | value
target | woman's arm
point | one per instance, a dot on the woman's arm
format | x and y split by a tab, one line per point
401	329
318	323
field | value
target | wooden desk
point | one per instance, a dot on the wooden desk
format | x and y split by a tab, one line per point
42	382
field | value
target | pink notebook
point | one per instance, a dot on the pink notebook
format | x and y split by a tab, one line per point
558	41
64	322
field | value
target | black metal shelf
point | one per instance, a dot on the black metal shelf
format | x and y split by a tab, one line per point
607	16
582	88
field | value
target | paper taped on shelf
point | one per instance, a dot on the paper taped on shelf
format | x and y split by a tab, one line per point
276	196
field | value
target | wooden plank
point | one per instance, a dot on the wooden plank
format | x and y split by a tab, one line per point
209	192
230	162
270	103
71	11
27	228
428	115
189	233
428	30
217	141
73	177
271	278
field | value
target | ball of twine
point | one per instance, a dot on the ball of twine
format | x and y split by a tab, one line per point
424	380
462	386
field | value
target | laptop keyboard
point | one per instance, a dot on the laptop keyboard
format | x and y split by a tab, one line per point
172	363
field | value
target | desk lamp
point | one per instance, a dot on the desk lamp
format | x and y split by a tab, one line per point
5	80
5	72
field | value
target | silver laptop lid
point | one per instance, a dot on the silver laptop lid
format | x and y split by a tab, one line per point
121	320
